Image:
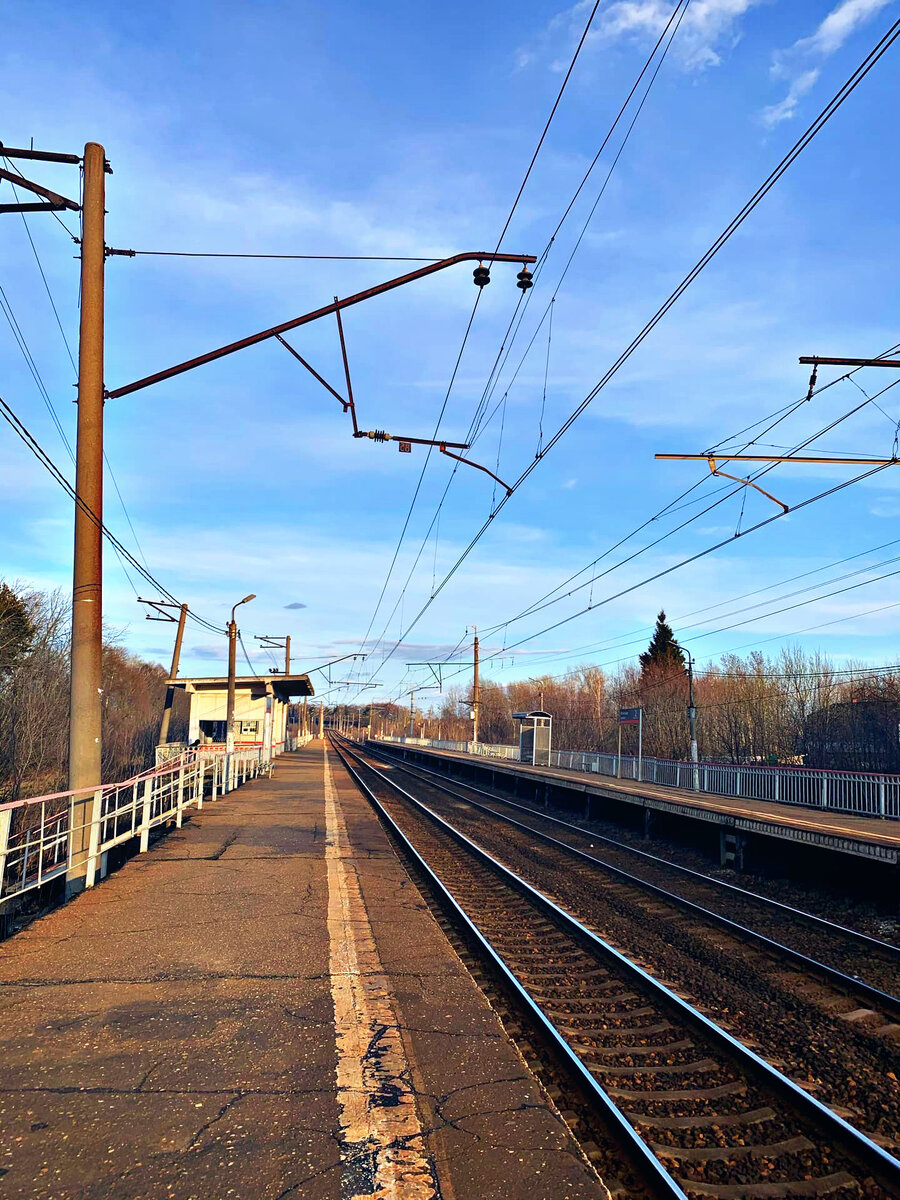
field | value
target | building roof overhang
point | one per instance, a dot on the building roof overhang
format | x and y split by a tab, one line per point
282	687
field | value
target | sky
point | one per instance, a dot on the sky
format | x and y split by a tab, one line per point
404	130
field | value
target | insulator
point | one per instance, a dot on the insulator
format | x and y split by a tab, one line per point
481	275
525	279
379	435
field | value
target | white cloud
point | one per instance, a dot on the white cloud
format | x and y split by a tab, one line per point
708	30
786	108
840	23
800	64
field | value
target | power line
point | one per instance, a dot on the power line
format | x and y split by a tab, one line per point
38	451
71	357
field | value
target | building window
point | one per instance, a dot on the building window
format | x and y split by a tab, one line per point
249	728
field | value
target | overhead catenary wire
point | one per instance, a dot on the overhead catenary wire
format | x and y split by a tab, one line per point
476	426
833	105
539	606
503	232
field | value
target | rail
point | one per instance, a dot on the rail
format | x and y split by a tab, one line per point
862	793
40	839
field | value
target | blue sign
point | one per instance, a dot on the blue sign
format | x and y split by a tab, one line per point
629	716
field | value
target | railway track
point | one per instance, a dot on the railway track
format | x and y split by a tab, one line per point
864	969
704	1115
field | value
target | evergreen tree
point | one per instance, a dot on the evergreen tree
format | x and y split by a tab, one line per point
663	651
16	628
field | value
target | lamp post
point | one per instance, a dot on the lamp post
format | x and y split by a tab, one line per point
692	716
232	661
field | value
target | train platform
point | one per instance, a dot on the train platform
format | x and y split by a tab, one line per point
262	1006
873	838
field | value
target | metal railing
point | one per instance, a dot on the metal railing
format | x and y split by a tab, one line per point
863	793
52	843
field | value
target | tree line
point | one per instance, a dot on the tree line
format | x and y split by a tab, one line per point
34	698
794	707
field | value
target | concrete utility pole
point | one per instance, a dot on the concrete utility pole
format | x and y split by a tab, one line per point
412	698
476	689
232	671
321	719
86	696
170	687
287	654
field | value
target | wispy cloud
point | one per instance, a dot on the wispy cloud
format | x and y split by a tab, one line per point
710	28
800	65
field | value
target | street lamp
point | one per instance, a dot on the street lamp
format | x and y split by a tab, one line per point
692	715
232	660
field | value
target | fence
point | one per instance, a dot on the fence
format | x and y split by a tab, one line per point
863	793
52	843
169	750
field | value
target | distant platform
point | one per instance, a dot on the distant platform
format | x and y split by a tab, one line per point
875	838
263	1006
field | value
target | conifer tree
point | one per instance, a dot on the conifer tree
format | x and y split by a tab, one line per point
663	651
16	628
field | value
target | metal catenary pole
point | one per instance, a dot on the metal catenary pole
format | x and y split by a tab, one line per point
170	687
476	690
86	697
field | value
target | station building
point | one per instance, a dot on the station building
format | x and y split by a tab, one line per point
261	704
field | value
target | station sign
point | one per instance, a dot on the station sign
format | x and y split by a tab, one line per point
629	716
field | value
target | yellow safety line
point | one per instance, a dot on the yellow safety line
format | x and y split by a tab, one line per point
383	1153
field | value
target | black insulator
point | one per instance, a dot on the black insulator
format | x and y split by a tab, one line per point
481	275
525	279
380	435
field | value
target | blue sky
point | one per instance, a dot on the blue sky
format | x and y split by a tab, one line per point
401	129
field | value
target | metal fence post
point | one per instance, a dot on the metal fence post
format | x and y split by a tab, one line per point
199	772
179	804
94	843
215	778
5	824
145	814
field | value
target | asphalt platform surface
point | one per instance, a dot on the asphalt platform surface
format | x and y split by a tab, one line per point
262	1006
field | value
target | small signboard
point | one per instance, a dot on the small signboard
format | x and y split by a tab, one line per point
629	716
405	447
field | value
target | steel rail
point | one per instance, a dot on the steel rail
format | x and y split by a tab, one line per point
845	982
875	943
635	1143
861	1147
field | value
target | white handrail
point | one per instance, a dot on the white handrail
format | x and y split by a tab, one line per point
862	793
38	839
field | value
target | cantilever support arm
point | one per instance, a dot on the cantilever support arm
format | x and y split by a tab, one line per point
53	198
477	466
337	313
315	374
747	483
325	311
